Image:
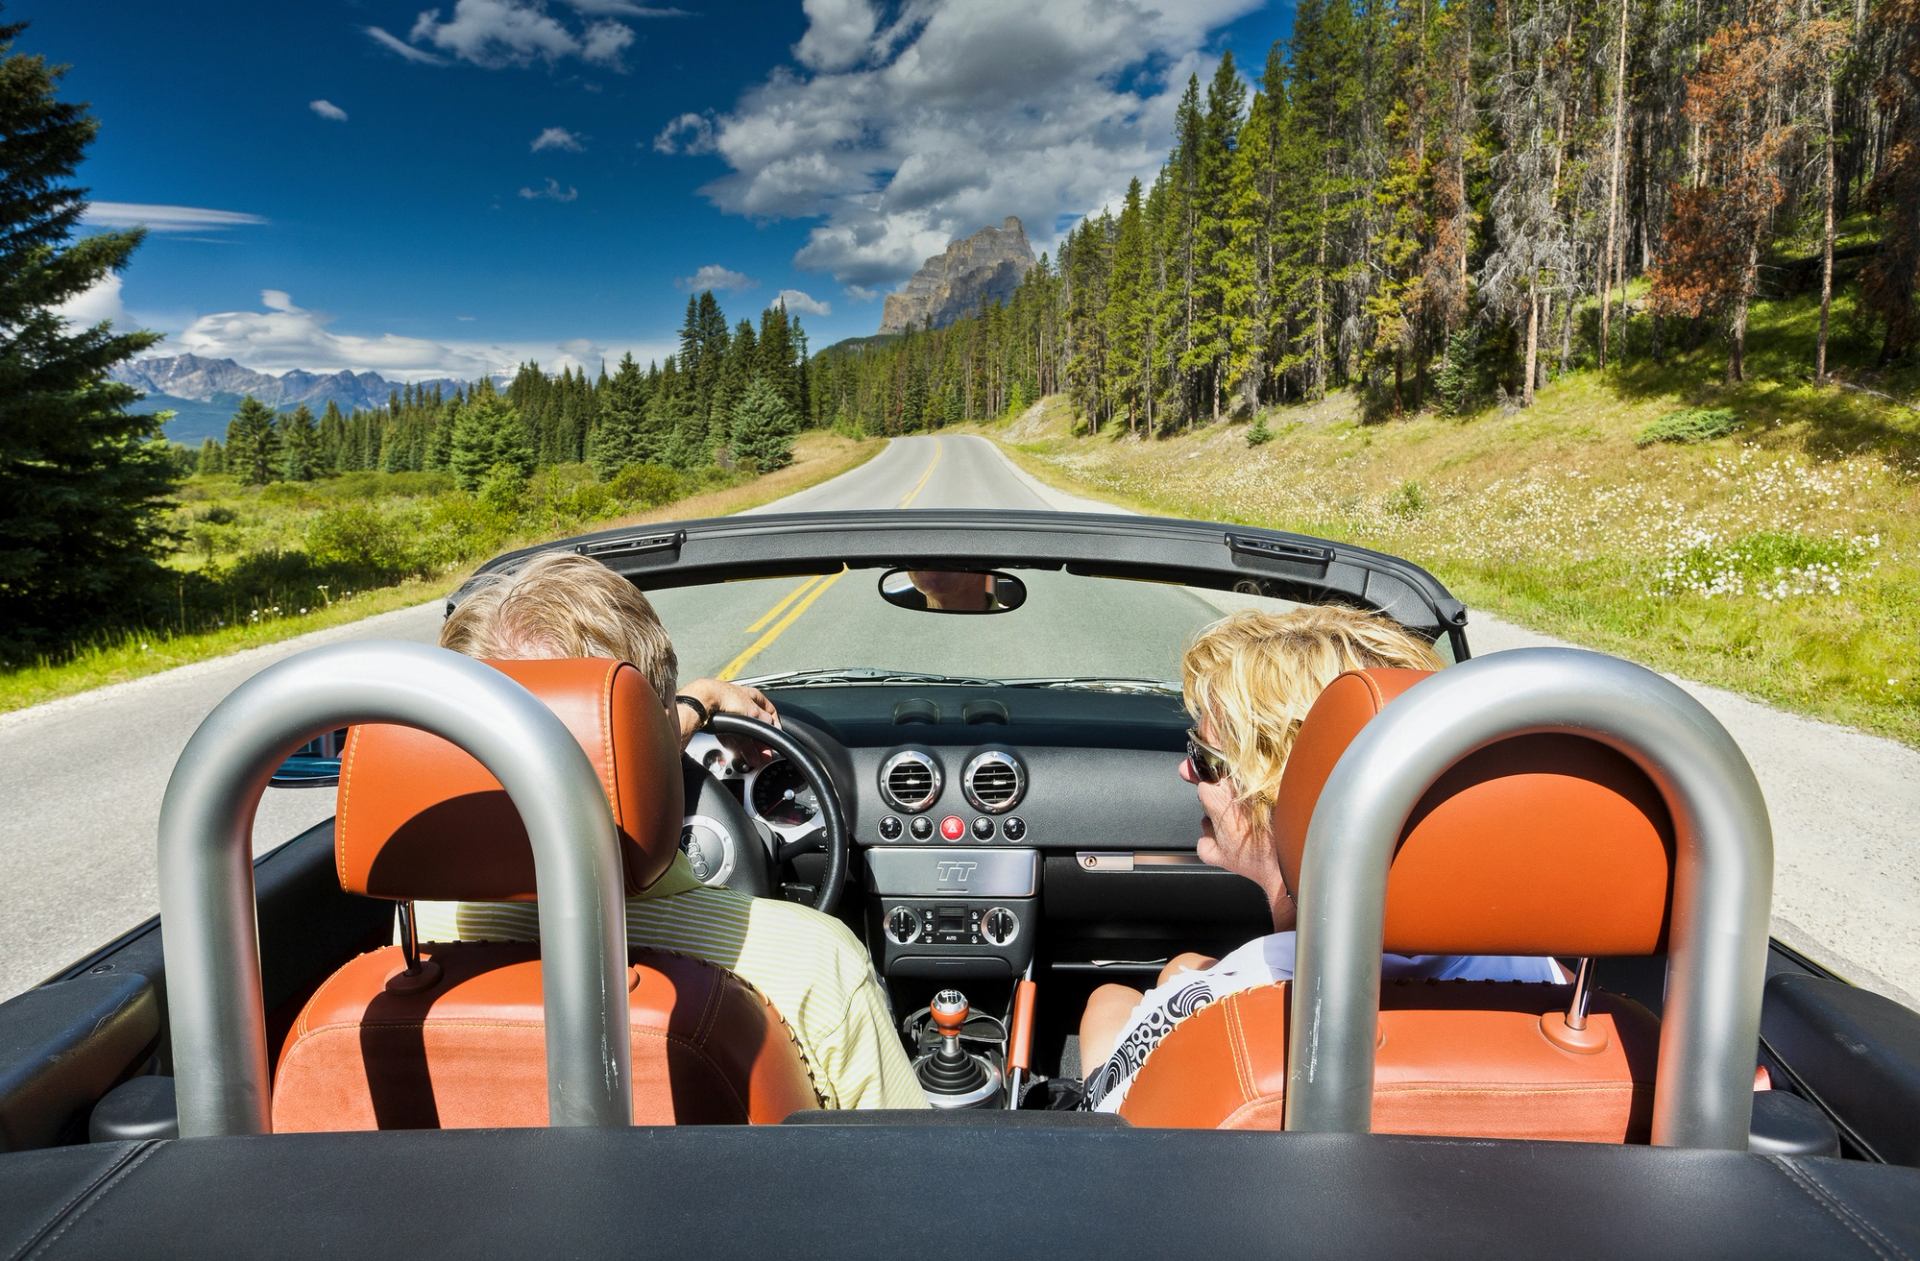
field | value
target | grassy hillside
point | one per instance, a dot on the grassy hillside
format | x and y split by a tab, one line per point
1781	559
256	565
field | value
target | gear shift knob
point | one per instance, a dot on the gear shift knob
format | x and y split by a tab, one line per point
949	1011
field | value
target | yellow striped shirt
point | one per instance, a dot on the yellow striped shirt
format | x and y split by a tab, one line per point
810	967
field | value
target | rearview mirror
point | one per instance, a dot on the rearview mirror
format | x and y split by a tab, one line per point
952	590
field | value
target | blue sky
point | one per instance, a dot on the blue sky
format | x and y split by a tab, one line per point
422	191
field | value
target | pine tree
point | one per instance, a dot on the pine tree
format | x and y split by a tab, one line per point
764	425
1221	225
1710	258
213	458
1122	319
299	446
488	432
622	436
82	482
253	443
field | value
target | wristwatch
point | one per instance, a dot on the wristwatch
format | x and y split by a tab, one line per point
700	711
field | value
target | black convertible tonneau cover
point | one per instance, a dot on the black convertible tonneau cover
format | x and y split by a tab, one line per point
899	1191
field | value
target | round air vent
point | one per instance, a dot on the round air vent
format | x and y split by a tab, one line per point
993	781
910	781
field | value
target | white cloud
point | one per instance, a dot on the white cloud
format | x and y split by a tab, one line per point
557	138
626	9
860	293
394	44
285	336
959	113
698	130
603	42
98	303
552	192
839	34
496	33
714	276
131	214
328	110
795	300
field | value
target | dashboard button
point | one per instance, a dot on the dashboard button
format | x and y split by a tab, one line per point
921	827
1013	827
953	827
889	828
983	828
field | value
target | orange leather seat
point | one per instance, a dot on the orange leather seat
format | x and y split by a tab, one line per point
1539	845
461	1041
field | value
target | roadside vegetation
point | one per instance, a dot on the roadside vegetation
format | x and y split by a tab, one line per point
259	564
1779	559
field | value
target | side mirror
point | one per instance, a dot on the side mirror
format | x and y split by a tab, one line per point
952	590
315	764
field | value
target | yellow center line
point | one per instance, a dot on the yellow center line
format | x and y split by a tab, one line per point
807	592
781	607
922	483
774	632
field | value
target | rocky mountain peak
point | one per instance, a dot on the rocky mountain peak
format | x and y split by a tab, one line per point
988	265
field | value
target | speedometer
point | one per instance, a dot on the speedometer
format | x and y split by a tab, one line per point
781	797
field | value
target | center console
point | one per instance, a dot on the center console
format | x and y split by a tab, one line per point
943	914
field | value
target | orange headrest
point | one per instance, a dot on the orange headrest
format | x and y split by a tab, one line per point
419	818
1543	844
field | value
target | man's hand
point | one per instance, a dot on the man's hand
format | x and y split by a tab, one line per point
723	698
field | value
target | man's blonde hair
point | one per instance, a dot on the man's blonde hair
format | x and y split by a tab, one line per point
560	604
1254	675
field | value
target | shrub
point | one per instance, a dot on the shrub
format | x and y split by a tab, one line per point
1692	424
1259	434
362	537
1409	500
646	485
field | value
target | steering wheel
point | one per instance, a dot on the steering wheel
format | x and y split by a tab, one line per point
752	864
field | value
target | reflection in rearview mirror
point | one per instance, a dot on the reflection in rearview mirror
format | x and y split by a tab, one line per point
952	590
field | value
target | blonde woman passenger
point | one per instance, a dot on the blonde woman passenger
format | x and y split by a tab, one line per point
1248	681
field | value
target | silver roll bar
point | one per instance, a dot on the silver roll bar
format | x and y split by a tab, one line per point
207	912
1723	878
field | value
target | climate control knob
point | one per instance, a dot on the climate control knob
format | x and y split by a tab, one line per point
999	926
903	925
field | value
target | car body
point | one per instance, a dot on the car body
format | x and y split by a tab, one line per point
1100	880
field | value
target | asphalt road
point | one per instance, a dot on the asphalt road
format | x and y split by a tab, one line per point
82	778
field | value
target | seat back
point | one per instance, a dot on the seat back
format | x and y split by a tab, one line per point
1536	845
373	1051
460	1040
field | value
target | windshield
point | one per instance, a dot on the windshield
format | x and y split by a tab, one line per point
1071	630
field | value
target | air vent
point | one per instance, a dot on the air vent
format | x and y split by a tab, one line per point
993	781
910	781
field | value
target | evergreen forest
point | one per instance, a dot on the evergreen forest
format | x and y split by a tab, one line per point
1440	205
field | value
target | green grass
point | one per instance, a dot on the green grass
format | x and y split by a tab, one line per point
260	582
1780	560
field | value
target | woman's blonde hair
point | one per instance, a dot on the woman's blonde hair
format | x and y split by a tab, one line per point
1254	675
560	604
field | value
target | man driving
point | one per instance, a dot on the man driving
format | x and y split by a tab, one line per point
808	965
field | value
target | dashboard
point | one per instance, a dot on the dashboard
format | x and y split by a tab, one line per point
990	825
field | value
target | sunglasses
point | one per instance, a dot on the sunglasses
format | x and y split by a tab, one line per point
1209	764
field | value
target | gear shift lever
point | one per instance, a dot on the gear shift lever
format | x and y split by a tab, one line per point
952	1076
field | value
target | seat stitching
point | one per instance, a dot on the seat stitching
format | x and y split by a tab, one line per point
1842	1206
606	742
340	814
1817	1195
1236	1037
93	1195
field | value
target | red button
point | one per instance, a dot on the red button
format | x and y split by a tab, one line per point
953	827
